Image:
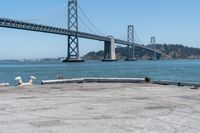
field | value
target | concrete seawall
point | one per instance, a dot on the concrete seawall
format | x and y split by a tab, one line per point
117	80
165	82
4	84
99	80
112	80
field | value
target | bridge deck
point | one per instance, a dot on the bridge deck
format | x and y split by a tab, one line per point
15	24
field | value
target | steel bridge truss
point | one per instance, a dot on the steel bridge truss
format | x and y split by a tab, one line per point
131	39
15	24
153	42
73	41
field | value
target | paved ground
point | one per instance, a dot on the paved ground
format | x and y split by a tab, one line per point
100	108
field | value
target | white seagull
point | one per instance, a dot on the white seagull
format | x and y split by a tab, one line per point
20	82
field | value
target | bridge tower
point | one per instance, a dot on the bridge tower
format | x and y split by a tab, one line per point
153	42
131	48
73	41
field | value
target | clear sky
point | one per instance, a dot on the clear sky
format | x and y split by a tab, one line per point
171	21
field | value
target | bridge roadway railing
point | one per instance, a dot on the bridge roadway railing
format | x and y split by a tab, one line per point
16	24
10	23
135	45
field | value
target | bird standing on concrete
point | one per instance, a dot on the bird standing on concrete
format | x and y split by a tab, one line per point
20	82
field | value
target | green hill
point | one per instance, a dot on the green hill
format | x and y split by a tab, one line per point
170	51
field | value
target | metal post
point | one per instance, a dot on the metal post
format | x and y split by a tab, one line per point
131	48
153	42
73	41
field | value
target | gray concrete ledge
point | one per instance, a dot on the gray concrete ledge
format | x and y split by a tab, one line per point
165	82
115	80
61	81
4	84
99	80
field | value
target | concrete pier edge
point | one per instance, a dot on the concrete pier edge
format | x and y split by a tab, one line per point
112	80
118	80
99	80
4	84
166	82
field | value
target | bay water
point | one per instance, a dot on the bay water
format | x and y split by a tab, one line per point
173	70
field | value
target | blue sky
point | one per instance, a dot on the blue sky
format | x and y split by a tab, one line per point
171	21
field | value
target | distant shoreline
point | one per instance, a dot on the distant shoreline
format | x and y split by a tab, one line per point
57	60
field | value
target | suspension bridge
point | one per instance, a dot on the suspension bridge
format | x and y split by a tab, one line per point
74	34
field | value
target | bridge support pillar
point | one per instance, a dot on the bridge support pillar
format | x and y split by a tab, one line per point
109	50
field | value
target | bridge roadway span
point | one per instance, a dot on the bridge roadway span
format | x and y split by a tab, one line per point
16	24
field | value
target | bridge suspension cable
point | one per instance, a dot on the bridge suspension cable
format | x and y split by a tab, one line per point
90	22
138	38
123	36
61	9
81	20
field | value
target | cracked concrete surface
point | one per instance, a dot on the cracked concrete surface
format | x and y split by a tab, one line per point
99	108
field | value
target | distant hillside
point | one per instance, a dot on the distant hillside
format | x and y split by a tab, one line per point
170	51
176	51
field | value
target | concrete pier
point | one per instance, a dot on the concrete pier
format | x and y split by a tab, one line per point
95	80
131	59
109	50
99	108
165	82
73	60
4	84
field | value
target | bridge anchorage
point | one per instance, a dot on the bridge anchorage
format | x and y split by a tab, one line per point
74	34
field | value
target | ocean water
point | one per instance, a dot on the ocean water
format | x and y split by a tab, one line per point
176	70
